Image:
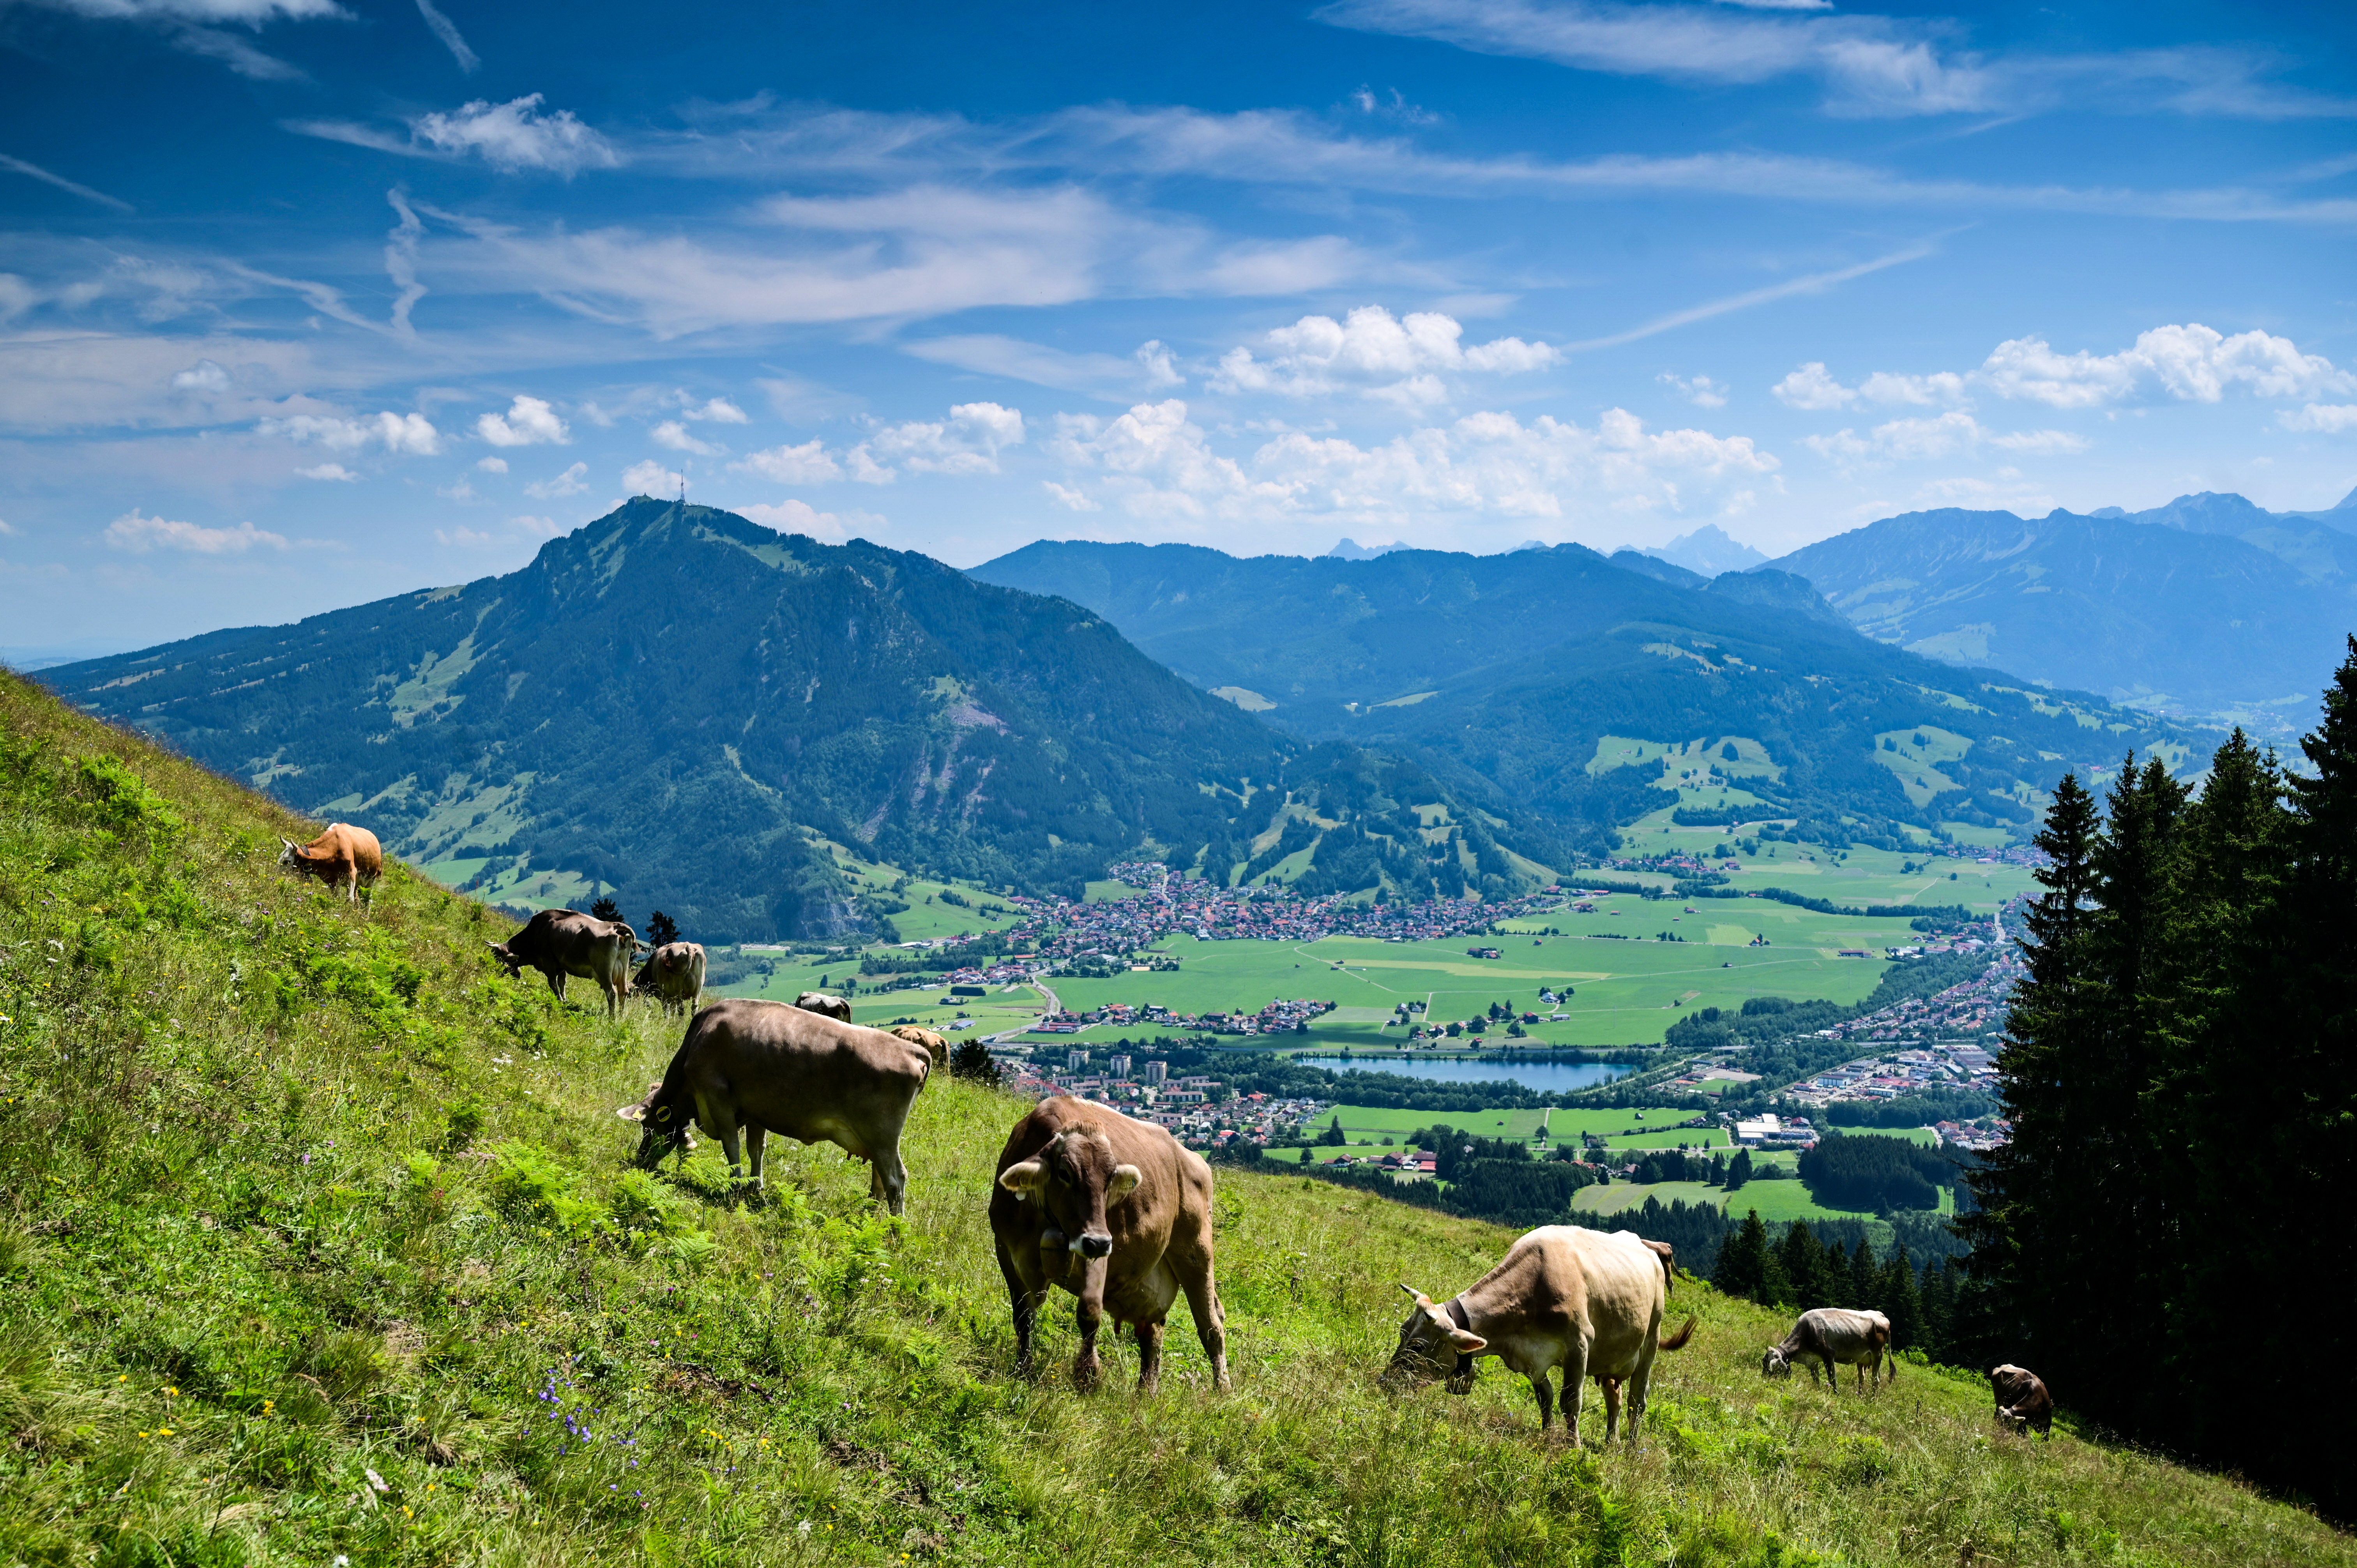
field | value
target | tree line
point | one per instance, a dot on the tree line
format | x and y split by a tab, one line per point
2157	1239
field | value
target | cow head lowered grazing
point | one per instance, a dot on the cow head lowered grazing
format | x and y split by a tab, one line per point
1564	1296
1116	1212
758	1067
1826	1338
561	942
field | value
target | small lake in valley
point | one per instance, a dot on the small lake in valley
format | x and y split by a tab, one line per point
1545	1076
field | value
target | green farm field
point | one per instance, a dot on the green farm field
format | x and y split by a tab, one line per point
1624	993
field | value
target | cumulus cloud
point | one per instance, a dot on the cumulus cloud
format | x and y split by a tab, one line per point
529	422
674	435
800	517
1155	462
493	465
1949	434
1070	496
517	136
2189	362
2323	418
204	377
571	482
968	442
1701	390
649	477
412	434
138	534
1371	350
718	410
329	471
807	463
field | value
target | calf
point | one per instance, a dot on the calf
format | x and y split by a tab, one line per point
1564	1296
2022	1400
561	942
343	855
673	975
763	1067
1116	1212
1828	1337
826	1006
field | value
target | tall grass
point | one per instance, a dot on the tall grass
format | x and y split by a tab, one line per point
317	1238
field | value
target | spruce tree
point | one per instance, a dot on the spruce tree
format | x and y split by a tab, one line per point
1805	1270
1897	1298
1743	1261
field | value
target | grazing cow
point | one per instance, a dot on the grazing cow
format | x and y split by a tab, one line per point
2022	1400
344	854
826	1006
561	942
1564	1296
763	1067
1829	1337
1117	1213
935	1045
674	974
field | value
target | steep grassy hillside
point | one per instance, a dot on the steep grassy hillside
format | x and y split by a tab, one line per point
318	1243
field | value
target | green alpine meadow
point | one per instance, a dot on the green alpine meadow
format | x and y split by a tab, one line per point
320	1243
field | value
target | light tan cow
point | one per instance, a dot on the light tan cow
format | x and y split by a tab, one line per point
343	855
1832	1338
759	1068
561	942
1564	1296
826	1006
673	975
934	1044
1119	1213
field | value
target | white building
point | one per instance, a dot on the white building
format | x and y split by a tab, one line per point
1075	1059
1155	1072
1117	1067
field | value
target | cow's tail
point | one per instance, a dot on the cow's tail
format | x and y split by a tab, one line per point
1680	1339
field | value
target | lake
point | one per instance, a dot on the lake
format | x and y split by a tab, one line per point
1547	1077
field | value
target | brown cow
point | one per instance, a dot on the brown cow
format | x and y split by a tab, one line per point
825	1005
344	854
673	975
560	942
938	1047
1116	1212
1564	1296
2022	1400
767	1068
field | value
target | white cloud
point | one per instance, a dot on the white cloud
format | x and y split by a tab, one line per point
1371	350
649	477
2191	363
2325	418
529	422
464	537
1812	389
1071	498
807	463
462	491
139	534
493	465
571	482
800	517
674	435
329	471
1157	463
968	443
447	31
539	527
399	433
205	376
1942	435
516	135
6	532
1701	391
718	410
1923	392
1151	367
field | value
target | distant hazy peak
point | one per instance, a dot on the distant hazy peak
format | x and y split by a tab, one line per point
1352	550
1709	550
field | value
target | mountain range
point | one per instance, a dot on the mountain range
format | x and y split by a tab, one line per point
1524	680
678	706
2210	608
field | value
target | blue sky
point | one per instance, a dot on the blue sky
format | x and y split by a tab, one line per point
303	302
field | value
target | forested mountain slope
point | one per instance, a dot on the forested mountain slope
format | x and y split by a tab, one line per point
2210	606
319	1241
664	702
1505	674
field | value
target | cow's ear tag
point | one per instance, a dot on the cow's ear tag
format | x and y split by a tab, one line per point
1024	1179
1124	1182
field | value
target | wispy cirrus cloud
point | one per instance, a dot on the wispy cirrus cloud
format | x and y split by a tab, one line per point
513	137
35	171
